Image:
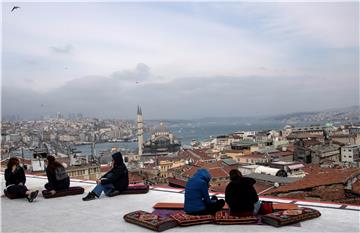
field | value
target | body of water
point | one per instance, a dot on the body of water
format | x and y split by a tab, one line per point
187	132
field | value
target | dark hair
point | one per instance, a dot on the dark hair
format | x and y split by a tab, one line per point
12	161
52	164
235	174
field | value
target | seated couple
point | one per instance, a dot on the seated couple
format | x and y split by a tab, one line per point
117	179
240	195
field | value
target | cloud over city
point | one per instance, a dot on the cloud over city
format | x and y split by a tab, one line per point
179	60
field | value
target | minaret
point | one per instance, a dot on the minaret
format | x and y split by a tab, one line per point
140	130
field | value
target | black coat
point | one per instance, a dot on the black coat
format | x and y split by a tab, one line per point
118	175
57	184
16	177
240	195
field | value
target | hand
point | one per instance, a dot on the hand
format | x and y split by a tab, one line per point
98	181
21	184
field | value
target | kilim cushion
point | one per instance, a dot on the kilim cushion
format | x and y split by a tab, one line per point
224	217
132	189
286	217
150	220
184	219
70	191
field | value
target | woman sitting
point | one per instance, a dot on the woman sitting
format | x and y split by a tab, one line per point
240	195
15	181
117	179
57	176
197	199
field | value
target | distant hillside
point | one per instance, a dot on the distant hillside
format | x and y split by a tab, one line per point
351	114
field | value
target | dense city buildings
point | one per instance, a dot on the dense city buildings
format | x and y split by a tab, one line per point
289	156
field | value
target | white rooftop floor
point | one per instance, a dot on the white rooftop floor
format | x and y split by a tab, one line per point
71	214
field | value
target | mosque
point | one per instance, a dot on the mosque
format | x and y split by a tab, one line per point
161	142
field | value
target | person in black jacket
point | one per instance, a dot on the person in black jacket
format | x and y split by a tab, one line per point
240	195
115	179
15	181
57	176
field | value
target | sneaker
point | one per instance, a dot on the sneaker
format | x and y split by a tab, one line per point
32	196
89	197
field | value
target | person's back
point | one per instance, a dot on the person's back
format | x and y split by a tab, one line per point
57	175
196	192
240	195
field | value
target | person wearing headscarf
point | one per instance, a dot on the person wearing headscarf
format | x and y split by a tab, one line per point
117	179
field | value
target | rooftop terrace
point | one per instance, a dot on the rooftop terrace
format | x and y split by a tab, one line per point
71	214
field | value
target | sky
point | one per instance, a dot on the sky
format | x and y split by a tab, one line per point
178	60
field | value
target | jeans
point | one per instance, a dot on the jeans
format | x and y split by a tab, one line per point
257	206
99	188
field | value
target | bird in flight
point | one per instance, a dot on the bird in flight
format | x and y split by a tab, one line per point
14	8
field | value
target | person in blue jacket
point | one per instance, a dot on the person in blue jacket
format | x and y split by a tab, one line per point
117	179
197	199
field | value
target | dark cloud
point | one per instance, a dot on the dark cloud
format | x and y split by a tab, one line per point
66	49
115	96
140	73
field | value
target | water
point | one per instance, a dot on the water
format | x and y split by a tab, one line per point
186	132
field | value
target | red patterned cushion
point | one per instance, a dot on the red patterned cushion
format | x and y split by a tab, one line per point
131	189
70	191
286	217
184	219
224	217
150	220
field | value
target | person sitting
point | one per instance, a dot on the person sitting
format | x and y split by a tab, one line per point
57	176
117	179
240	195
197	199
15	181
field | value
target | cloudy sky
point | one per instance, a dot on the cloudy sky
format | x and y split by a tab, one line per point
178	60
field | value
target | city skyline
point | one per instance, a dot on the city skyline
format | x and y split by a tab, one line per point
179	60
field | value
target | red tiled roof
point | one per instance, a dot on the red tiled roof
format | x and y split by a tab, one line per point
177	182
215	172
105	168
222	186
356	187
319	177
135	178
282	153
218	172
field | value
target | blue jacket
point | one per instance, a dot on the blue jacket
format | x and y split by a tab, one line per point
197	191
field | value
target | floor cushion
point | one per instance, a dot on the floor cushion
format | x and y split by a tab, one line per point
70	191
174	205
285	217
150	220
132	189
184	219
224	217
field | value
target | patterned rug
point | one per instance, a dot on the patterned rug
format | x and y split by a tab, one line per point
224	217
150	220
184	219
286	217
